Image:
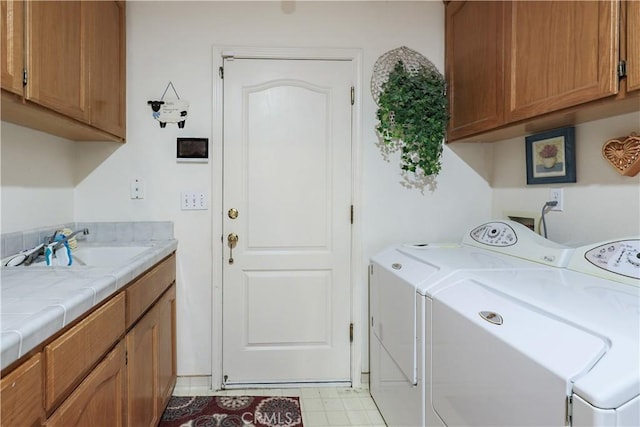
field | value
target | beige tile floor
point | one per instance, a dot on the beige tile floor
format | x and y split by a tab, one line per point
324	406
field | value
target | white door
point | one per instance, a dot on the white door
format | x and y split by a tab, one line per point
287	173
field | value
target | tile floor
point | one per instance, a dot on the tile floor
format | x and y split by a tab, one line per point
325	406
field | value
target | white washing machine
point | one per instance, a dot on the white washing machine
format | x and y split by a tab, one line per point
402	280
553	348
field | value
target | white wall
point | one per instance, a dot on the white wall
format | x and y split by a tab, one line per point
174	41
37	179
601	205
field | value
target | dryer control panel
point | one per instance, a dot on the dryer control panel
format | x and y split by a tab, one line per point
494	234
512	238
617	260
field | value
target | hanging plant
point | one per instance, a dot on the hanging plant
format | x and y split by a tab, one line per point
412	114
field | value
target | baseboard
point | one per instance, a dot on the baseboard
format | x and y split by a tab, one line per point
193	385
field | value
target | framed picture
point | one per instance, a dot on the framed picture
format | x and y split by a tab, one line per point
551	156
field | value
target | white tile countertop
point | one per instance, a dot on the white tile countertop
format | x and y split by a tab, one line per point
38	301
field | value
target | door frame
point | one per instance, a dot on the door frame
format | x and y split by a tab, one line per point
358	289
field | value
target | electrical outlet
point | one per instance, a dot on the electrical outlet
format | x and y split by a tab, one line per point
557	195
193	200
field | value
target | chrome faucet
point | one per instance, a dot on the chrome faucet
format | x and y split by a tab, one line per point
52	239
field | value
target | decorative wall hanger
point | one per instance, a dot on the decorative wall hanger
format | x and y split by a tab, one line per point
170	110
623	154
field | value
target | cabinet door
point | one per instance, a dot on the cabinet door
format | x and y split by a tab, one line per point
21	395
166	347
561	54
142	369
56	63
633	45
12	45
106	49
99	399
474	66
72	355
151	362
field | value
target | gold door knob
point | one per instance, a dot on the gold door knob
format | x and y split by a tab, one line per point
233	213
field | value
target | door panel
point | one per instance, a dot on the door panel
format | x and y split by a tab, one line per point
270	225
633	45
562	53
287	160
288	293
12	50
474	66
58	29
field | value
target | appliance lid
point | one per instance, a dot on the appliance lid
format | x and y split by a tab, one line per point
445	260
604	308
499	362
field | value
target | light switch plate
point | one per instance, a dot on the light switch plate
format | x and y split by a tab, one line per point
194	200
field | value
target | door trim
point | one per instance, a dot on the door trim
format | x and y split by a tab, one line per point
357	277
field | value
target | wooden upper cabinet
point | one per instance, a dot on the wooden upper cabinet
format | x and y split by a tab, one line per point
107	65
474	66
633	45
57	69
12	45
74	56
561	54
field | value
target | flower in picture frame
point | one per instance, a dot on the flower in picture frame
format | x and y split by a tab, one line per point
548	151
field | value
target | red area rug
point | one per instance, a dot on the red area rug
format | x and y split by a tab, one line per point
232	411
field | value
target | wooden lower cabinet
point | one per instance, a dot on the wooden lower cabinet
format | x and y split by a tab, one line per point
99	399
71	356
21	395
151	362
100	372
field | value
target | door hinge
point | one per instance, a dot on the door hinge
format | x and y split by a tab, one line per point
568	410
126	357
350	332
221	72
351	214
353	95
370	269
622	69
24	77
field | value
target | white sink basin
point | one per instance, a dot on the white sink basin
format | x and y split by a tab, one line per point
105	256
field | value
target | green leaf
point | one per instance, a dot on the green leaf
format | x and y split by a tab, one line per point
418	105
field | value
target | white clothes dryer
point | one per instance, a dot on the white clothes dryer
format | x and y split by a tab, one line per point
402	280
553	347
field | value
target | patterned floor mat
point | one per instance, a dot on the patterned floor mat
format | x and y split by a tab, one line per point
232	411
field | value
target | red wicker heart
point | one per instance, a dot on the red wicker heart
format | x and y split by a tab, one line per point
623	154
